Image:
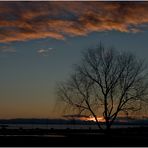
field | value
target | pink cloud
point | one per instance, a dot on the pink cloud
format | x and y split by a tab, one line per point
22	21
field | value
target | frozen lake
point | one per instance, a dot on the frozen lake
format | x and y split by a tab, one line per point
60	126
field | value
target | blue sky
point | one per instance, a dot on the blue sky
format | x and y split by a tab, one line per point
31	67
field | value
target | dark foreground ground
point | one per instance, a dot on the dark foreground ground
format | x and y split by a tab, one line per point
68	138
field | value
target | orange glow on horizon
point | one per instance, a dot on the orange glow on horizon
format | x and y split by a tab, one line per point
91	118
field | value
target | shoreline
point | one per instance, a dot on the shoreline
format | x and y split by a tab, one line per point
119	137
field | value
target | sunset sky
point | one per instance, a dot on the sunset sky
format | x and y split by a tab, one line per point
40	42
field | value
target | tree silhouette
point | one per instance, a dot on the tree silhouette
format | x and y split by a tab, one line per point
105	83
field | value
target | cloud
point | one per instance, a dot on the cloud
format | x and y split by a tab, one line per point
44	52
7	49
22	21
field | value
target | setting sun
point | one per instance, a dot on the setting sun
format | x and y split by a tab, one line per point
91	118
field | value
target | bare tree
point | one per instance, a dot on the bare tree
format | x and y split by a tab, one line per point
105	83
